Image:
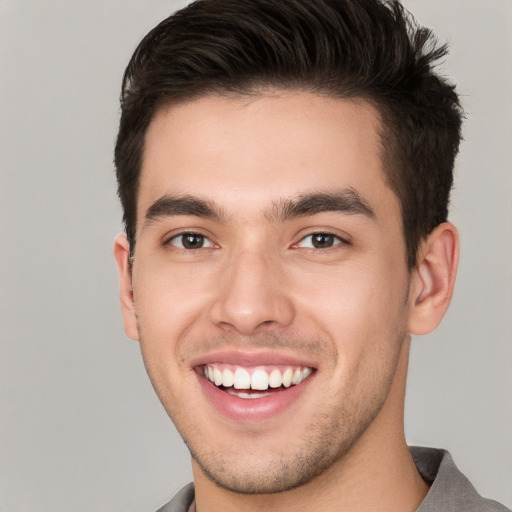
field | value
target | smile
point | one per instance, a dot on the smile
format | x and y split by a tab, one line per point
232	378
253	387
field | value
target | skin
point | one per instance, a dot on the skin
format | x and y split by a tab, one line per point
258	284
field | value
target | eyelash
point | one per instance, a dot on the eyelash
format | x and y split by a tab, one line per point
189	234
335	240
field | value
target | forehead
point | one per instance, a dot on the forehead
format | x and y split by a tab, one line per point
246	153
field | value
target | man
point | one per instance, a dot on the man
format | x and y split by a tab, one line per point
285	170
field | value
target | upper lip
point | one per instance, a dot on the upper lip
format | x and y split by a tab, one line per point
244	358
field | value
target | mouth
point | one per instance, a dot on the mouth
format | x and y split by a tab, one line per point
249	388
255	382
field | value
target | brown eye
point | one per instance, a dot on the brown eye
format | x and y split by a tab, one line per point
190	241
320	241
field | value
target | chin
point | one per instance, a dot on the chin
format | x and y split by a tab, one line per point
252	471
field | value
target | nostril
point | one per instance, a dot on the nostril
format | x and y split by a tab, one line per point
249	300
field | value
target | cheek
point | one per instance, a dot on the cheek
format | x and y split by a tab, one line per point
169	305
357	307
166	310
166	296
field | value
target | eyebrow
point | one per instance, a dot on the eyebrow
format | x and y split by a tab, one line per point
346	201
167	206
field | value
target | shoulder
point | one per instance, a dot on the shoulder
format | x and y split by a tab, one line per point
181	502
450	490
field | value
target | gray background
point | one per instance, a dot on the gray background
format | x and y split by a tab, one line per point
80	427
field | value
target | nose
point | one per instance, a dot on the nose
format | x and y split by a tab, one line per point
252	294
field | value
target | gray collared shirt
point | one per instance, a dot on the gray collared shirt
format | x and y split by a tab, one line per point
450	490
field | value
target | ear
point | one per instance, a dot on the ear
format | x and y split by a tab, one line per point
433	279
122	256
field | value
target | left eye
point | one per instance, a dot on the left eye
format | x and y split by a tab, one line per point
190	241
320	241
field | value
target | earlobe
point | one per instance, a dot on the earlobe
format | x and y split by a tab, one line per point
433	279
122	256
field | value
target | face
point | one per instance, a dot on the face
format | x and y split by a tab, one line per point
270	285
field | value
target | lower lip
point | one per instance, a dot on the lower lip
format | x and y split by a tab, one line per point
251	410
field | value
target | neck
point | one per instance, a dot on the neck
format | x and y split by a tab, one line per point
377	474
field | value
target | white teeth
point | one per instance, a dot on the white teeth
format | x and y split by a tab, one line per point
259	380
241	394
242	379
274	379
217	375
306	372
228	378
287	378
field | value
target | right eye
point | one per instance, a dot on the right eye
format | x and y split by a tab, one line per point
321	241
190	241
